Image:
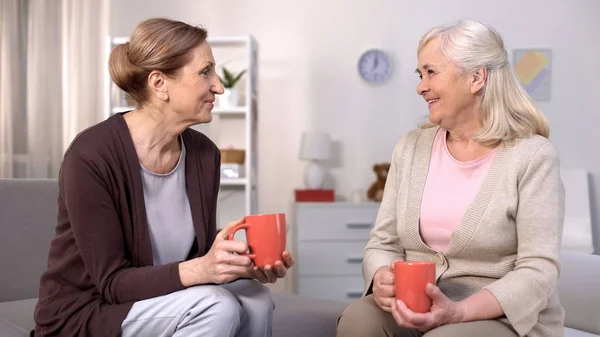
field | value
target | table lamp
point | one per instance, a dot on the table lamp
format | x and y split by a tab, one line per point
316	147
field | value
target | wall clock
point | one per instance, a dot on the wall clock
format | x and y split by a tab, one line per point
375	66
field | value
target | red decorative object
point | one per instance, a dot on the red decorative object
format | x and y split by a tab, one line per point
315	195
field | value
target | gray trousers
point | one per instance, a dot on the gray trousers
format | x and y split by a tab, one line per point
240	308
364	318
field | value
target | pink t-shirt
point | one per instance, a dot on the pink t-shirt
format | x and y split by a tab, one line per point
450	188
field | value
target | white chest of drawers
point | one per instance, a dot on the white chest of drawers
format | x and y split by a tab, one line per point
331	238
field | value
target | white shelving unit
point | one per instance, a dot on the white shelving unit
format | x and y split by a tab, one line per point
235	126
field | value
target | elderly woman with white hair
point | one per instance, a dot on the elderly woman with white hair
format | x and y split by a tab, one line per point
477	190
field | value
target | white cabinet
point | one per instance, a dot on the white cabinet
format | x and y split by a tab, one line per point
330	239
232	126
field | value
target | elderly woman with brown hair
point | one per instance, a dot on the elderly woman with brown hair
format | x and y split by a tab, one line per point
136	251
478	191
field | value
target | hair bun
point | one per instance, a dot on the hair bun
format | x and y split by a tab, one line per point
122	71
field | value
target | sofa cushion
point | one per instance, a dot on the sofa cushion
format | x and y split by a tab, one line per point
28	210
297	316
579	293
16	318
577	333
294	316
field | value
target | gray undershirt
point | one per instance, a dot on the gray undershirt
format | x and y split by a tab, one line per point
168	212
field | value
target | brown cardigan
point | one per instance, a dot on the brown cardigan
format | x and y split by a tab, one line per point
100	260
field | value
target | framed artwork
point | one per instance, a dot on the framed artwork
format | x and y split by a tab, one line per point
533	68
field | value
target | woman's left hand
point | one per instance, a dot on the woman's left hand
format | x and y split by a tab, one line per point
443	311
270	274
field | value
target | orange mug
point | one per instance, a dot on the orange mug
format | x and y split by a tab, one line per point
410	280
265	234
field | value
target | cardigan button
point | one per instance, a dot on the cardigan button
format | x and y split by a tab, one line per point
439	259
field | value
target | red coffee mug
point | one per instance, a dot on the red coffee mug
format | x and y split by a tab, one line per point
265	234
410	280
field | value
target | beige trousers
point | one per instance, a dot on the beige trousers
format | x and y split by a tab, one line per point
365	318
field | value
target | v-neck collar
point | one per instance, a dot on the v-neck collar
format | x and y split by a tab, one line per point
142	255
469	222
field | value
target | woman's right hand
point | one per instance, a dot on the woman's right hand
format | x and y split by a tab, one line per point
220	265
384	292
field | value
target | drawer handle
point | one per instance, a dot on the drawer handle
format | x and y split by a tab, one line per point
355	259
354	293
359	225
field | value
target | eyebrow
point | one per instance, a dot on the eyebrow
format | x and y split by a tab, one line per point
426	66
208	64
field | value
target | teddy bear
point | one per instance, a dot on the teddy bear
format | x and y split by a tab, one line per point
375	192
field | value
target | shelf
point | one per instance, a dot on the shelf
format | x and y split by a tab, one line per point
235	111
228	40
234	182
217	111
120	40
220	40
119	109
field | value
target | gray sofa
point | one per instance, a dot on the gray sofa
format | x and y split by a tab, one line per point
27	219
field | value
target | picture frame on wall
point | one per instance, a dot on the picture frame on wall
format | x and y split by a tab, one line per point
533	68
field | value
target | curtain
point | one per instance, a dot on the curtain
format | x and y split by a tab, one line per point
44	88
85	28
58	91
13	147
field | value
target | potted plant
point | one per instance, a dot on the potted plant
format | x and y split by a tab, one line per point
231	96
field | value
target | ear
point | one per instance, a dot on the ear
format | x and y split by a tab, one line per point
158	85
478	80
376	168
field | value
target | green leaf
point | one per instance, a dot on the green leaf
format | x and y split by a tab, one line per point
229	78
238	77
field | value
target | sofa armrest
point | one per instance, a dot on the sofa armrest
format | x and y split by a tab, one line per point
579	290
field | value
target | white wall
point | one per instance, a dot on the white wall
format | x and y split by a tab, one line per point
308	60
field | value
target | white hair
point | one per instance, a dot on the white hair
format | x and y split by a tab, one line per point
507	110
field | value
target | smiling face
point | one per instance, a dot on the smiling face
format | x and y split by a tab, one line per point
450	95
192	90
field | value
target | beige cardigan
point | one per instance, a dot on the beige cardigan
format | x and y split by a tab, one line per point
507	242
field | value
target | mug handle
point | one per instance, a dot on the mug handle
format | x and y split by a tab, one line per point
236	228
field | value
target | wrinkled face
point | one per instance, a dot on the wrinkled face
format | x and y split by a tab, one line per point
450	95
192	90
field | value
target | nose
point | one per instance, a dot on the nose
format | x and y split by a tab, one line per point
422	88
217	86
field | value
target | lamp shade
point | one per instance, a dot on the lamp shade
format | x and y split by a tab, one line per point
315	145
